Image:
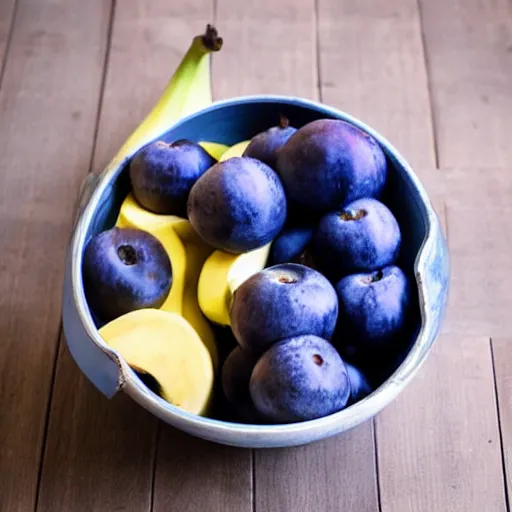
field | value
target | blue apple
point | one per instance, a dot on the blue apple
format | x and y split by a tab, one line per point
125	269
328	163
359	385
162	175
362	237
298	379
236	374
281	302
238	205
290	245
373	315
265	145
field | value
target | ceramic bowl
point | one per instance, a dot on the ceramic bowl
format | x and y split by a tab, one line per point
424	257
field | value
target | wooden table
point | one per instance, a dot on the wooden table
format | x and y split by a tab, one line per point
434	76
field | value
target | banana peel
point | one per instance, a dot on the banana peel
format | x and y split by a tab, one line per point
188	91
187	252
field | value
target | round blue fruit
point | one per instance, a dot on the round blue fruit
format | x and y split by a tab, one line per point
298	379
265	145
236	374
123	270
359	385
238	205
364	236
290	245
328	163
280	302
373	312
162	175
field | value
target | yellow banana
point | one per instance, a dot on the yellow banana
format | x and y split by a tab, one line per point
188	91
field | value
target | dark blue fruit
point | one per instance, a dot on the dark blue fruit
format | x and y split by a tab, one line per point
236	374
238	205
299	379
364	236
124	270
265	145
162	175
281	302
373	312
328	163
359	385
290	245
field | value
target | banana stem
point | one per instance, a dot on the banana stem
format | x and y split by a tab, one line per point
211	39
188	91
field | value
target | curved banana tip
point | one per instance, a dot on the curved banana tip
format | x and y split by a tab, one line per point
211	39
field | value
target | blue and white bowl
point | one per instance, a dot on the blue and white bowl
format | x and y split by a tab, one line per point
424	257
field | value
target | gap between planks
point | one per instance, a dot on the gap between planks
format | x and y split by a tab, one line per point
61	334
7	20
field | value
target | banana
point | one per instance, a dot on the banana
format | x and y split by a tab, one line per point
235	150
188	91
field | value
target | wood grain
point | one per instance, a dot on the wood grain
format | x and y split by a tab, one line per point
482	188
480	244
7	8
438	442
502	355
99	453
372	66
469	50
193	475
330	475
107	459
48	105
149	40
270	48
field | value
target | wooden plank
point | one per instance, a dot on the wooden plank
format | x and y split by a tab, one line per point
372	66
502	355
482	188
48	105
330	475
270	49
283	34
123	443
192	475
296	479
99	452
438	442
469	51
149	40
7	8
480	244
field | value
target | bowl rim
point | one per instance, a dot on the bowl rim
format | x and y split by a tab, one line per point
254	434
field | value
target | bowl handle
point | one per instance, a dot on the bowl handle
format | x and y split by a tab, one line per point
433	276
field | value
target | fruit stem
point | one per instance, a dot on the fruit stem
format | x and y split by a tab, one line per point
127	254
351	215
374	277
211	39
284	122
318	359
287	280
